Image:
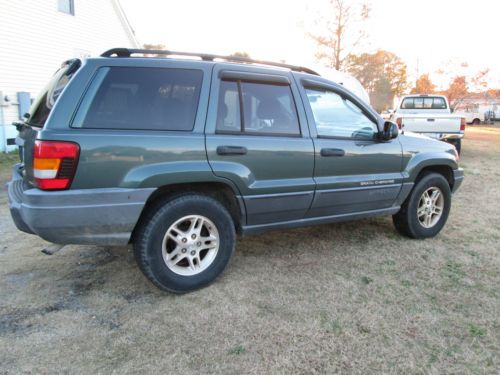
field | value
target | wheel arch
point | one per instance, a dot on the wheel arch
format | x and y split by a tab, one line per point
222	192
445	170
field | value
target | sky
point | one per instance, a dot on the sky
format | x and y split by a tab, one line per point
457	37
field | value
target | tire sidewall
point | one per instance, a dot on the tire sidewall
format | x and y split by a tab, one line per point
428	181
161	222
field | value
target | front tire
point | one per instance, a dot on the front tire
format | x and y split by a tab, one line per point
185	243
425	211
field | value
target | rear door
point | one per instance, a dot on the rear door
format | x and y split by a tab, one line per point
354	172
257	137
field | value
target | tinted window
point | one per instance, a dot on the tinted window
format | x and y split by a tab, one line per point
141	98
336	116
43	104
228	112
423	103
267	109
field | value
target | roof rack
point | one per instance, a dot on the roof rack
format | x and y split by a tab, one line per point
128	52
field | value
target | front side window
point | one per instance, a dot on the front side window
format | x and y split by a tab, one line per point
141	99
338	117
266	108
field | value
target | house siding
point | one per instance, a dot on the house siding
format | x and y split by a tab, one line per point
36	38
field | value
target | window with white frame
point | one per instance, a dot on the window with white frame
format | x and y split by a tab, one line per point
66	6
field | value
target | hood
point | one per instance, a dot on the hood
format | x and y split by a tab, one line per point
417	143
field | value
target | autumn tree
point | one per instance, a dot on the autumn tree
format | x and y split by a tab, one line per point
480	80
341	31
423	85
457	91
382	74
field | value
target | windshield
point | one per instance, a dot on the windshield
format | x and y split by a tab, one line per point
43	104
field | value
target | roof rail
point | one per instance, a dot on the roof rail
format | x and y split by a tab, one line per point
128	52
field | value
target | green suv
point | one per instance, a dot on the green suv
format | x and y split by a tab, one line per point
177	156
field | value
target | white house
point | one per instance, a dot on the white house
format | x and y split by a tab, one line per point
37	35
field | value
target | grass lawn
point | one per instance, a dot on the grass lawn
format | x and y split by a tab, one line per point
348	298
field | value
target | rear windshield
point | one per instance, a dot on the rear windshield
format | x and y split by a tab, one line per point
424	102
141	99
43	104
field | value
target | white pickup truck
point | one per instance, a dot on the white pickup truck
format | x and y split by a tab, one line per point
430	115
472	116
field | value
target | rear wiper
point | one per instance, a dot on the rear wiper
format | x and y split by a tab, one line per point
20	126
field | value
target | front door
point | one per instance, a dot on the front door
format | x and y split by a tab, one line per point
354	171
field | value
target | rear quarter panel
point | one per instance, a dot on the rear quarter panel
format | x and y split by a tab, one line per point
132	158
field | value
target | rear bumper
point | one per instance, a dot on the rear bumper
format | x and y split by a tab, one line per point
444	136
87	216
452	136
458	177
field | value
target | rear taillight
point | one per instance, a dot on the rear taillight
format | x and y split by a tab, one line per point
54	164
399	122
462	124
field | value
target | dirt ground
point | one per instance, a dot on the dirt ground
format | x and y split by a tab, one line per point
342	298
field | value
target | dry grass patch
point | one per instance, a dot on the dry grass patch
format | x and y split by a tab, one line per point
349	298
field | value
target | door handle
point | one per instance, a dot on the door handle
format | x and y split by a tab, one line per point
332	152
431	120
231	150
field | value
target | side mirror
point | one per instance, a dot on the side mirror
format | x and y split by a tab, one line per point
390	131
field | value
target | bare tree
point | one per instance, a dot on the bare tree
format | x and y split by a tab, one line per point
343	31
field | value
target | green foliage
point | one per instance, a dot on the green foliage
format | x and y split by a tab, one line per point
366	280
237	350
477	331
453	270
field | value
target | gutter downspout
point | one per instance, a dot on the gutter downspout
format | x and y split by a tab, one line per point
126	24
4	133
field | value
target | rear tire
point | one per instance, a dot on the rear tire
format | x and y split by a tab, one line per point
476	121
184	244
420	216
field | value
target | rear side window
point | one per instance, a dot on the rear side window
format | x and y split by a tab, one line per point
423	103
141	99
256	109
43	104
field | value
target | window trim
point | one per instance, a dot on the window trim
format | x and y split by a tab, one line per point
242	115
319	87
